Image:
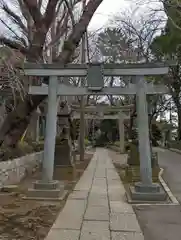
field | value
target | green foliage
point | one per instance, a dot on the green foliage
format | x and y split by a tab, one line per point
37	146
87	142
168	47
20	150
113	45
101	141
109	132
68	45
167	44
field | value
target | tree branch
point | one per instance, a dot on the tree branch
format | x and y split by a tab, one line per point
80	28
50	13
34	11
13	45
70	12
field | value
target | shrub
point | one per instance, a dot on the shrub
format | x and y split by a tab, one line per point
87	142
22	149
101	141
37	146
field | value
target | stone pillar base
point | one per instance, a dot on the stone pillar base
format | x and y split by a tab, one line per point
42	190
122	151
141	192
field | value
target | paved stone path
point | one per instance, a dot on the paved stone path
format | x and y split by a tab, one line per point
96	209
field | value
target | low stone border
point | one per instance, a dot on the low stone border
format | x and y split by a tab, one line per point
171	149
13	171
167	189
172	198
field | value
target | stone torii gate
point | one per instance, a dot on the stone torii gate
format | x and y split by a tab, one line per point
95	86
100	112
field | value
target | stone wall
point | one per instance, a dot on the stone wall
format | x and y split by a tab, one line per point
12	171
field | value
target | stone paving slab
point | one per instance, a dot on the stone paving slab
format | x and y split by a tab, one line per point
97	213
79	195
95	201
60	234
112	175
116	195
114	183
95	230
120	207
83	186
124	222
127	236
116	190
99	182
71	216
98	192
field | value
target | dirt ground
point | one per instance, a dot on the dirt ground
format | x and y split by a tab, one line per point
29	219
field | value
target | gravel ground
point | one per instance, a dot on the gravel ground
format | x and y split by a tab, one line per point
29	219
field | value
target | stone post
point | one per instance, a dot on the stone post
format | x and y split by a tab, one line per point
163	138
121	132
38	125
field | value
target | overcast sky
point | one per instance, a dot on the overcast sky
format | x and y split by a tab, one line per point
107	9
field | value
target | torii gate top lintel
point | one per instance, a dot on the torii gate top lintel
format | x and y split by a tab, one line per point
103	108
95	77
78	70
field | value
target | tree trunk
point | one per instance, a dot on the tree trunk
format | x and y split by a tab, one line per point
17	121
176	100
179	123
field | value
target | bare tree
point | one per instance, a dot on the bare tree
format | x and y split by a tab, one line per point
137	33
17	121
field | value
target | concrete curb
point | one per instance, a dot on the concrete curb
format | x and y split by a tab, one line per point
167	189
174	150
171	149
174	201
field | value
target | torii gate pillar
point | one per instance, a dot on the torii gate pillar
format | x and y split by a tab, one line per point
47	188
121	132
